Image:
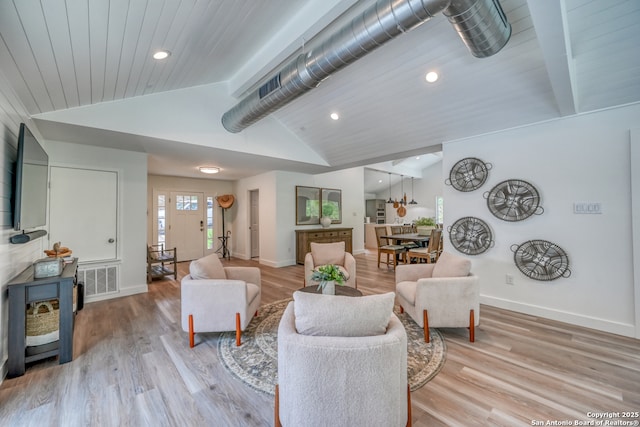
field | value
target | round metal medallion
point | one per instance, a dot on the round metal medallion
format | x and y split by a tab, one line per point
470	235
514	200
541	260
468	174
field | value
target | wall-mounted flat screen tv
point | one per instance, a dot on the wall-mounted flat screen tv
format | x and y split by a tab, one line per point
32	172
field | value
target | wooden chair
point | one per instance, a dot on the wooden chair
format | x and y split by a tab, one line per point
431	252
390	249
409	229
396	229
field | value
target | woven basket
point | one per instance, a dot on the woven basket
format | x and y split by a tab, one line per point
43	322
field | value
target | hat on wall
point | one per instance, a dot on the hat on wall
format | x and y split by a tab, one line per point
226	201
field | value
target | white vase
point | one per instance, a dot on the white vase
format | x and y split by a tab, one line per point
325	221
329	288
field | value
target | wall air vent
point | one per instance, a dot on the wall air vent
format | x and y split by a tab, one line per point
269	86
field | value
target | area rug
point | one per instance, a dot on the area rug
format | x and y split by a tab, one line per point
255	362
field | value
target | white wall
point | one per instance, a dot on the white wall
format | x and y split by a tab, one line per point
278	210
351	182
132	199
578	159
13	258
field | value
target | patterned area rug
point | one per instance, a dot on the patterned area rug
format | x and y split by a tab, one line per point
255	362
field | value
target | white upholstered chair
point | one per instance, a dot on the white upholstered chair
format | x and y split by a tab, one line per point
342	361
214	298
330	253
444	294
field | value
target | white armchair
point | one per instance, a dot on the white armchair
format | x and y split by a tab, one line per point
333	371
216	298
444	294
330	253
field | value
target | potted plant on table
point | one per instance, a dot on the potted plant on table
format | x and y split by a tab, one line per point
327	276
424	225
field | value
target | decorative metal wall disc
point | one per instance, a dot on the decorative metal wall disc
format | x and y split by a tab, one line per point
541	260
514	200
468	174
471	236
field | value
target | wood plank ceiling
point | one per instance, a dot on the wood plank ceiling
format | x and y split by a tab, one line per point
564	57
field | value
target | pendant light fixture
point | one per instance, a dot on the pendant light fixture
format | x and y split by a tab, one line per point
412	202
403	195
389	201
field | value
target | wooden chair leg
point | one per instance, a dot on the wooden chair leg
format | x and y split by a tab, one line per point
191	333
238	330
472	326
276	409
425	319
408	406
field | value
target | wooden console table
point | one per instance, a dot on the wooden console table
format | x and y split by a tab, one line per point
304	237
24	289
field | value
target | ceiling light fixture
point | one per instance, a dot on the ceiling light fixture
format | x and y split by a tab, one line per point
403	195
335	116
412	202
209	169
389	201
431	76
161	54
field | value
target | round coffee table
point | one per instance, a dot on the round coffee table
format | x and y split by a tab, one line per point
341	290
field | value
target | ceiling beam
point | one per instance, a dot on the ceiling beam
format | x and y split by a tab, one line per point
550	22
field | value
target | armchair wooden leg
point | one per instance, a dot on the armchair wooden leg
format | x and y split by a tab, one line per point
276	409
472	326
408	406
401	309
425	319
238	330
191	333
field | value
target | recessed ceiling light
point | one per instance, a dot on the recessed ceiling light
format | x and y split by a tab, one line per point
417	157
335	116
379	181
431	76
161	54
209	169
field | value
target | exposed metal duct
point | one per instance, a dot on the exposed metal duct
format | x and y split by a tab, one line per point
481	24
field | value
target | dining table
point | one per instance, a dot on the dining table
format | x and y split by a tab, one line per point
420	239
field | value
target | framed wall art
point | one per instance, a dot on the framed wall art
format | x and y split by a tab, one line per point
307	205
332	205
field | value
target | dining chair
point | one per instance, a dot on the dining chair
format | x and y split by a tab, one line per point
408	229
388	248
431	252
396	229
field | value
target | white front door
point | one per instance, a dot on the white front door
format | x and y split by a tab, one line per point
83	212
255	225
186	228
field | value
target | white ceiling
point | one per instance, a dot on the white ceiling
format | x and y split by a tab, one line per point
564	57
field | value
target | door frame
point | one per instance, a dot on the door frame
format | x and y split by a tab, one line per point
119	202
255	192
153	238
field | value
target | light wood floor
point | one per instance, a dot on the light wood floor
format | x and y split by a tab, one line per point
133	367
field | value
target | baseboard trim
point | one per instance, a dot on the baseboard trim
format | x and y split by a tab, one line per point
627	330
123	292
